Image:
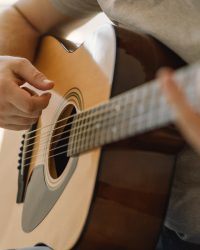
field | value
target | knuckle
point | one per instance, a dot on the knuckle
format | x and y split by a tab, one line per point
37	75
21	62
28	122
25	121
2	110
30	107
33	121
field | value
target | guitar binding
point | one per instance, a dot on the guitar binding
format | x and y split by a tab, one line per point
24	162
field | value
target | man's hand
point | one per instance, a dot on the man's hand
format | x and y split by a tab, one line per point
20	107
187	119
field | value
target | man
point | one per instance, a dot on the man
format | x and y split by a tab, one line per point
169	21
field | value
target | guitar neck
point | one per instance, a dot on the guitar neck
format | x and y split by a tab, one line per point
131	113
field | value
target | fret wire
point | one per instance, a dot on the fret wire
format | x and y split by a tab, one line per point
102	142
82	124
95	128
85	132
116	110
165	116
142	126
92	134
132	102
103	125
115	103
98	124
88	128
75	143
183	77
157	122
89	138
114	99
154	125
121	111
123	114
74	130
98	145
108	123
97	133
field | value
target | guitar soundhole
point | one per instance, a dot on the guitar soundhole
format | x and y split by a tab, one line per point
58	158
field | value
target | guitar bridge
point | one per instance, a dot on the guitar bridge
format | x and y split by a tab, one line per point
25	155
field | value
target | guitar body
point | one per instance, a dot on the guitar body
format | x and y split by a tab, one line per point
107	198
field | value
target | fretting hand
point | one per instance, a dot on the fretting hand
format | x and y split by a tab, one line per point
187	119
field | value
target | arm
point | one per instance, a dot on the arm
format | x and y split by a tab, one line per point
20	30
187	119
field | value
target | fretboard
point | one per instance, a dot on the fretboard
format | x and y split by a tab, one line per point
132	113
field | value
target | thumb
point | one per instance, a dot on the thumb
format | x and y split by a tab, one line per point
25	69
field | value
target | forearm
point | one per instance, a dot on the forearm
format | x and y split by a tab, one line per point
17	37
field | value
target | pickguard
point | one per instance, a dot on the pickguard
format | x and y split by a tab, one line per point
40	198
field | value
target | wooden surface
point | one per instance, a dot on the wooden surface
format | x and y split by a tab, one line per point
130	198
134	177
78	70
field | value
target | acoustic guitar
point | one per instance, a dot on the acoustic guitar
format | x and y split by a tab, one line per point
77	185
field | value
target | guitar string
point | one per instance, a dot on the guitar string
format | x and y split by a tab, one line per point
79	140
166	108
151	84
114	99
86	125
136	123
91	122
142	87
189	70
162	111
43	154
69	117
64	152
76	134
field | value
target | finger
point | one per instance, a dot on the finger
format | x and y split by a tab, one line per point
26	103
174	94
24	69
11	110
16	127
18	120
187	119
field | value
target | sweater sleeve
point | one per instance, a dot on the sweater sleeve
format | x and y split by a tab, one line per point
77	8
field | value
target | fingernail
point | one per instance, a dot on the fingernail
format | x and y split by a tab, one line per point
47	81
163	71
